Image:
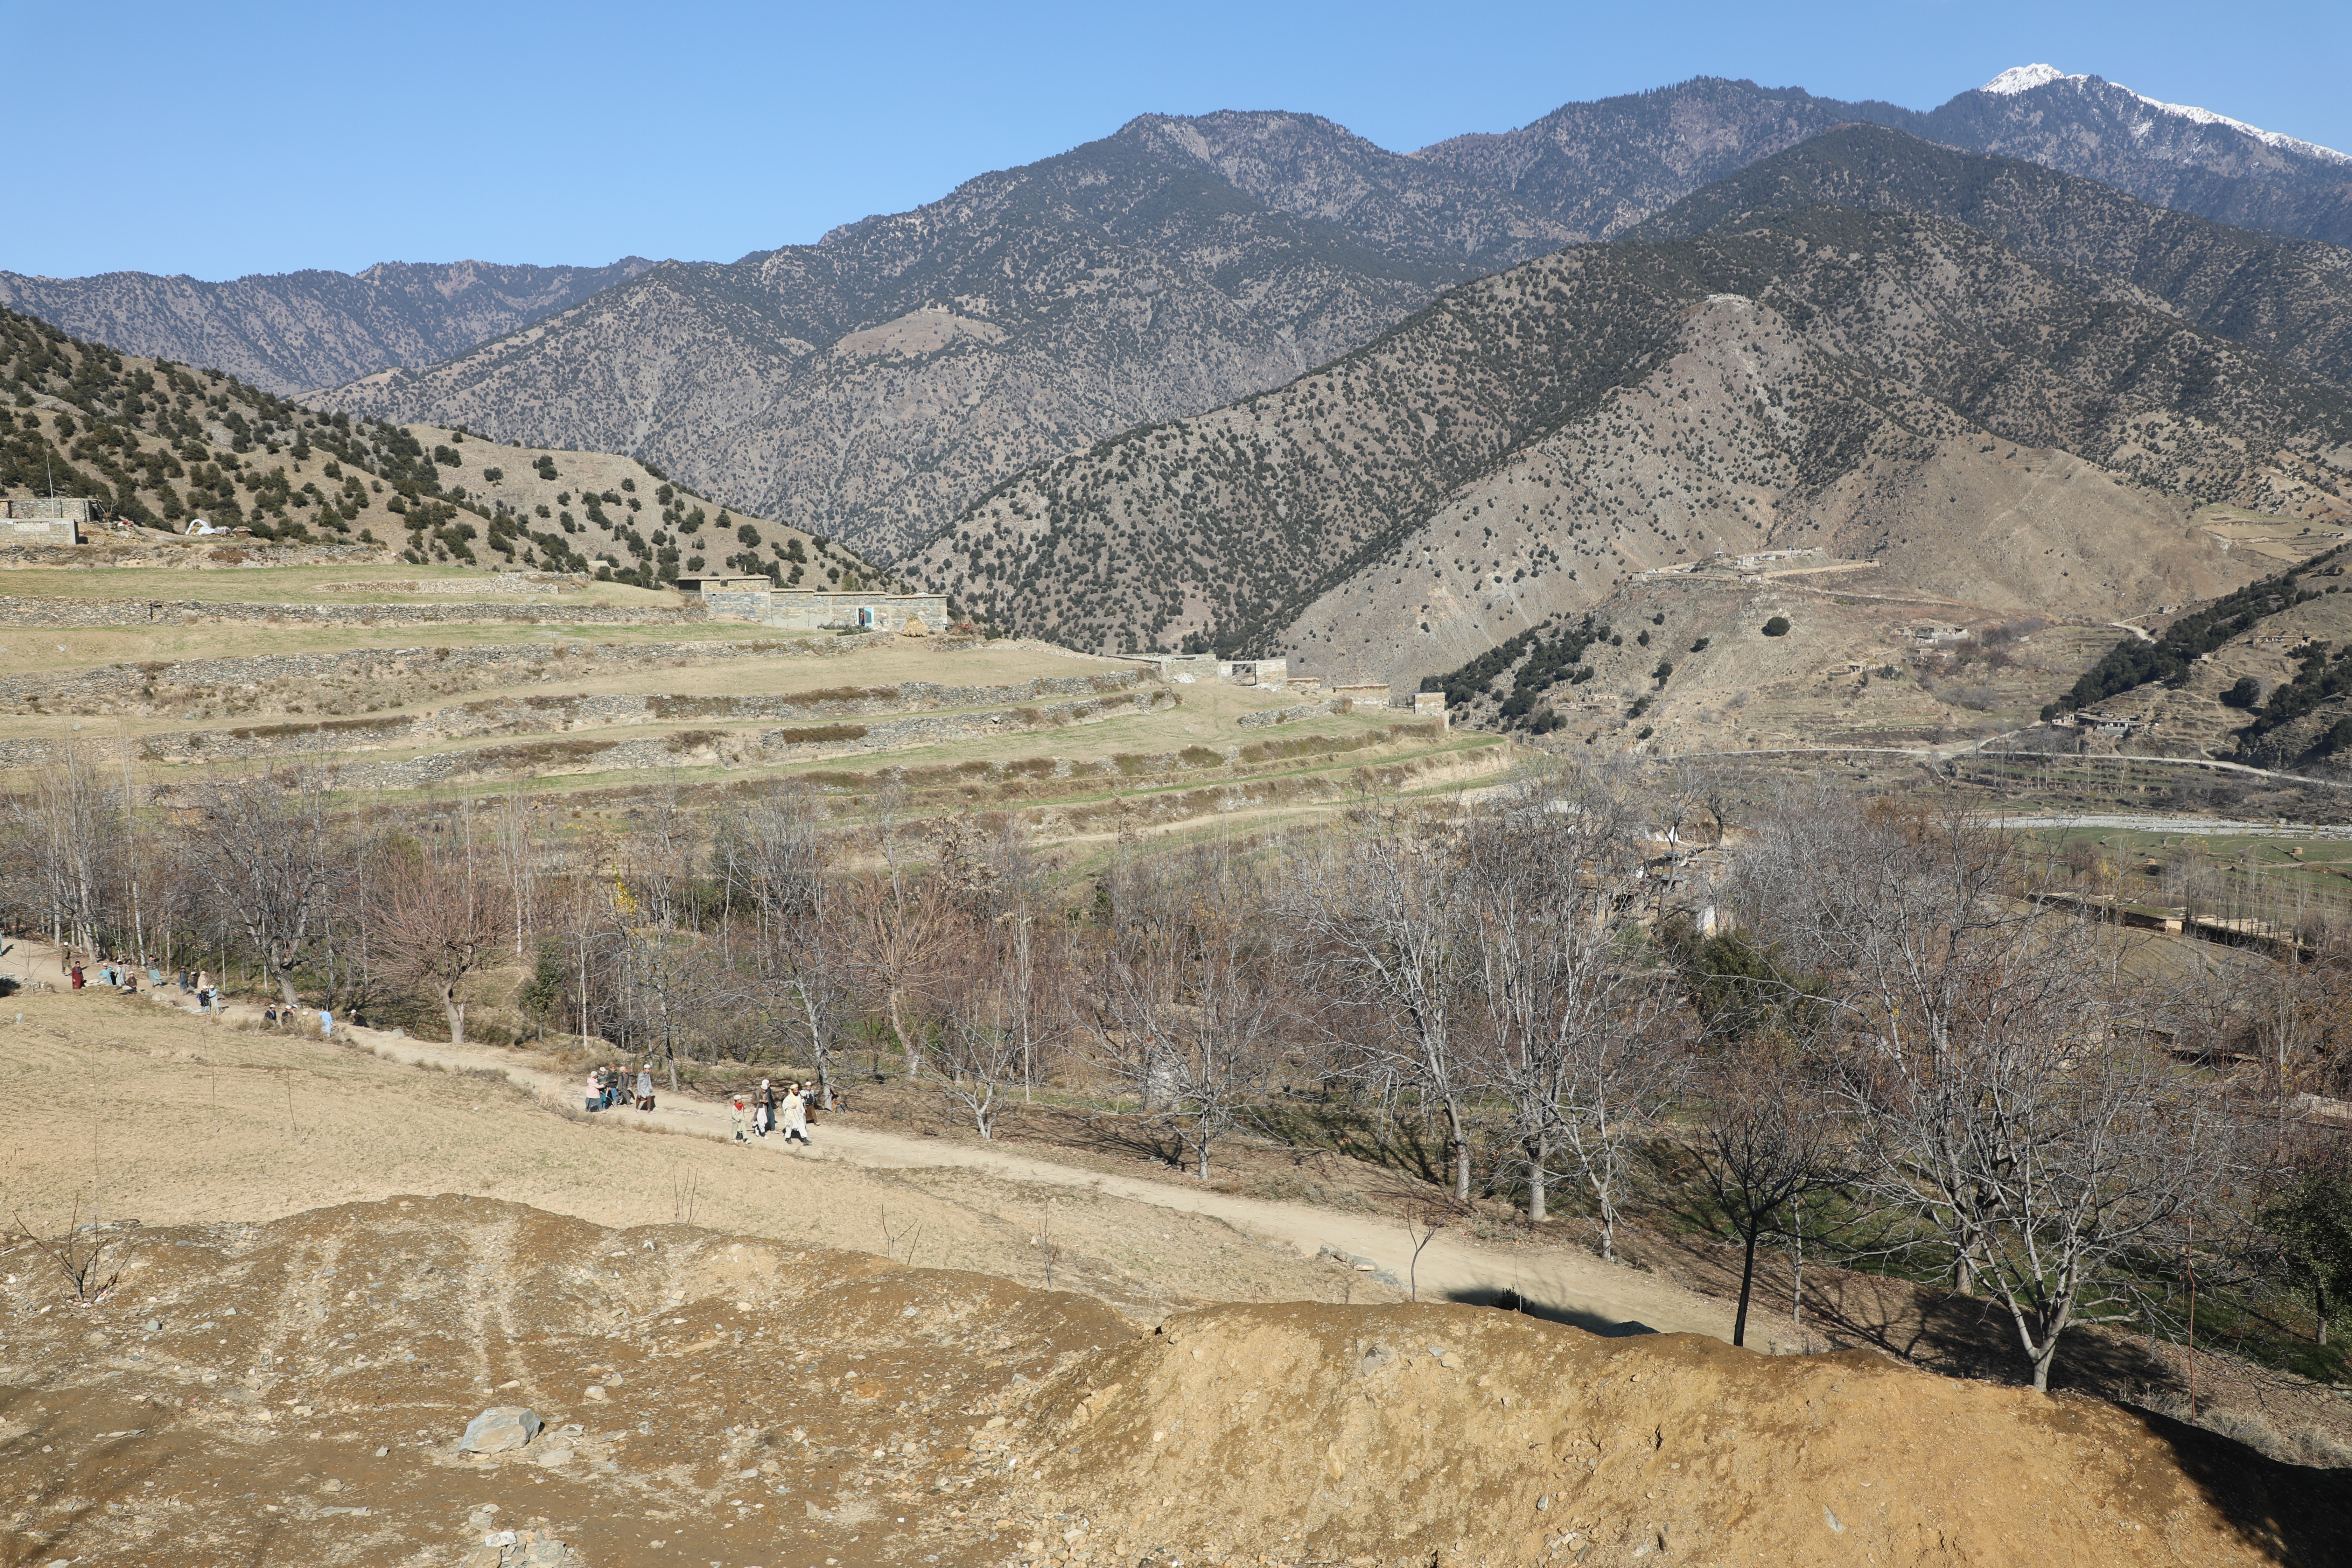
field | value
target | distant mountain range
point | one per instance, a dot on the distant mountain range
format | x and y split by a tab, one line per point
872	385
2287	298
2018	408
299	332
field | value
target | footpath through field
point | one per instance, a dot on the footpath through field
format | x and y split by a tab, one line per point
1563	1283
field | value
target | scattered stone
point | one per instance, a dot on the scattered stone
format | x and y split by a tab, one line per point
554	1458
154	1325
499	1428
597	1392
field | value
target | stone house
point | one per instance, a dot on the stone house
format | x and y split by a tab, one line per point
54	519
816	610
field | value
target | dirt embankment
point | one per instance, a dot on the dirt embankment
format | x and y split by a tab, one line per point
1409	1434
294	1392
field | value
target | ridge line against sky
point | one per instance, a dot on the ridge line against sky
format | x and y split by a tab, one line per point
270	137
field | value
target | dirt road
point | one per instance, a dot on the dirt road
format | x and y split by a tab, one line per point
1566	1284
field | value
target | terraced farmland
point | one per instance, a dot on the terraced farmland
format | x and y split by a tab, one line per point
411	683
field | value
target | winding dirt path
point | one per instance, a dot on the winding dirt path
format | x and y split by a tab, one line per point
1564	1283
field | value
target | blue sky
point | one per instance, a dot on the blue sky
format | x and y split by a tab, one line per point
244	138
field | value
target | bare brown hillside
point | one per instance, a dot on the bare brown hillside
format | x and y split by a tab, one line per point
295	1392
1894	388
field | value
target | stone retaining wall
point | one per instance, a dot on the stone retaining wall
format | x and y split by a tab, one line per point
526	716
47	612
173	685
1293	714
170	685
103	549
750	748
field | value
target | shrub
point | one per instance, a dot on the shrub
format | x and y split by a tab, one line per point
2246	693
1778	626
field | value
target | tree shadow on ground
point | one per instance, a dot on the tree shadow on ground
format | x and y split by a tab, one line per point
2294	1514
1607	1327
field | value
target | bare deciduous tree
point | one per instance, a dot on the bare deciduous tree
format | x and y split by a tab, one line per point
1766	1146
896	927
267	851
441	924
1380	915
1185	1007
2009	1106
1568	998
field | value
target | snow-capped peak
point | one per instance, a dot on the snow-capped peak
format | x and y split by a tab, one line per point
2025	79
2268	138
2022	78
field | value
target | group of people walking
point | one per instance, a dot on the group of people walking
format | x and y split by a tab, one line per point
606	1085
130	978
771	1111
771	1107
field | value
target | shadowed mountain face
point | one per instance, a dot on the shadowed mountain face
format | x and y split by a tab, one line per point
2289	299
294	332
1891	386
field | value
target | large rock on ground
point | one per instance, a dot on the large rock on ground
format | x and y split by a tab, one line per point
499	1428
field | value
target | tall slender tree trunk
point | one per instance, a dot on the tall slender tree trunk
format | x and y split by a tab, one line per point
1458	1145
1539	1153
1747	1285
910	1053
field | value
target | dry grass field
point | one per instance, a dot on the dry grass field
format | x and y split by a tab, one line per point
595	715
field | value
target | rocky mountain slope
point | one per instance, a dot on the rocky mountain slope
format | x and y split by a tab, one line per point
869	387
1600	168
2262	676
155	445
2288	300
2176	155
290	333
1897	388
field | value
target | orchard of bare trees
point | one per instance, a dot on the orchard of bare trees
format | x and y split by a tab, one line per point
1865	1033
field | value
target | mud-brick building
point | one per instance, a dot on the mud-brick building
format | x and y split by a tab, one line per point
43	520
816	610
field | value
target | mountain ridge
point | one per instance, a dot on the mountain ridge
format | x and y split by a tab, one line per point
301	332
2290	299
871	385
1910	359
